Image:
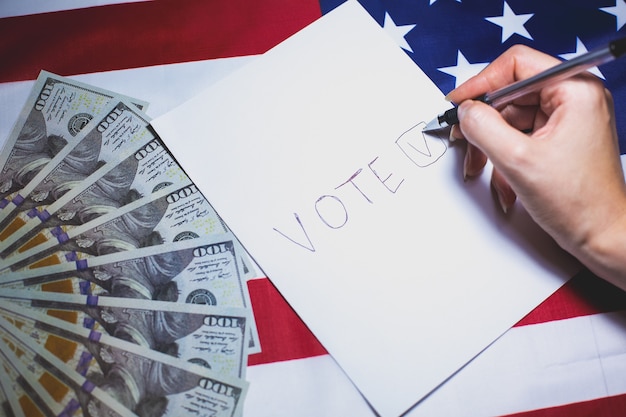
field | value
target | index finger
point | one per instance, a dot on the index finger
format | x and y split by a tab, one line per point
517	63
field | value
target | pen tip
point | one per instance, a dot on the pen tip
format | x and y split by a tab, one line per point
432	125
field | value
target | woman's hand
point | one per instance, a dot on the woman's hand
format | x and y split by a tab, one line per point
566	172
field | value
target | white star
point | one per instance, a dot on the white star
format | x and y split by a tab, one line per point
581	49
511	23
433	1
398	32
463	70
619	11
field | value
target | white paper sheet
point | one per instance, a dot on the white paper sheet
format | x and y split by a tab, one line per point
313	154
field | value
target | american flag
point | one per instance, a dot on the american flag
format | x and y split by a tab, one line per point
453	40
566	358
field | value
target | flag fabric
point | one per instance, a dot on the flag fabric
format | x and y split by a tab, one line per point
565	358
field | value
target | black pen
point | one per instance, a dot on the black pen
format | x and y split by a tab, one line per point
502	96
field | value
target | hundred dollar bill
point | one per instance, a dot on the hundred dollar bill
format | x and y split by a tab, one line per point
215	337
144	168
56	110
121	129
142	380
52	386
205	270
173	213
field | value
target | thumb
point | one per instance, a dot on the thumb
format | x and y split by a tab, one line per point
485	128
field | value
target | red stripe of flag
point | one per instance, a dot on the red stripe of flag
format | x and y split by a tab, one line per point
134	35
283	335
603	407
583	295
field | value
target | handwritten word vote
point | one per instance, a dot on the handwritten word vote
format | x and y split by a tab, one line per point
415	146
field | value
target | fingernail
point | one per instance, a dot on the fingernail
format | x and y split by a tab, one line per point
455	133
503	205
447	97
451	138
466	163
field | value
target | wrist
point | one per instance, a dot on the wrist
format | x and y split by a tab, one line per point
604	253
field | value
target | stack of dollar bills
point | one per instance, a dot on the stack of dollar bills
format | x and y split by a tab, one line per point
122	292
